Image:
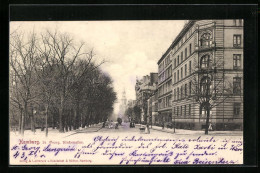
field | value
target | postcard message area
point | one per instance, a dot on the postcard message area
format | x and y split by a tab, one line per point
93	149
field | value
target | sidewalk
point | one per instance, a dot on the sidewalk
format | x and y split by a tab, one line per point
196	132
94	128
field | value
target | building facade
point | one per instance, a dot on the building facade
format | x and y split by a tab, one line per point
154	99
207	55
153	108
131	103
144	88
165	88
130	110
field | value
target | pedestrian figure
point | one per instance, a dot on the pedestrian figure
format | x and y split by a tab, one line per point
111	124
162	125
210	126
116	127
108	122
147	129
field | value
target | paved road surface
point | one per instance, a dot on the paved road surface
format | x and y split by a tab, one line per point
125	128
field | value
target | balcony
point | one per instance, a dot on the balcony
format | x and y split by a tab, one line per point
206	47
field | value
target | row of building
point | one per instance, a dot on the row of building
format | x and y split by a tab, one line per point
205	61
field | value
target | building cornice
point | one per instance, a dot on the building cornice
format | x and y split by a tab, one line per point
178	38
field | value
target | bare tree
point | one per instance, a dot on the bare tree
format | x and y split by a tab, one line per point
64	54
51	73
71	69
82	81
46	76
209	86
23	58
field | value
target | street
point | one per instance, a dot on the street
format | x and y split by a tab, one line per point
154	131
124	130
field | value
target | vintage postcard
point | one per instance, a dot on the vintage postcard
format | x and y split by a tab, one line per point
128	92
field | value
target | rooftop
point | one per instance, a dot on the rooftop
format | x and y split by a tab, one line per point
187	26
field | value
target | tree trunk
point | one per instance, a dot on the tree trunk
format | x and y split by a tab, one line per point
42	124
60	121
70	124
23	118
69	120
148	129
46	120
53	125
207	121
61	129
66	122
32	121
22	124
80	116
75	119
87	120
78	120
20	121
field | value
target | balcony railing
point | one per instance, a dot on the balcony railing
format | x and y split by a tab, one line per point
205	47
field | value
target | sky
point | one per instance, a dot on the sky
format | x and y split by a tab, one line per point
131	49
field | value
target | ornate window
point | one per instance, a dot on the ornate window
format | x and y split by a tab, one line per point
185	70
185	90
237	107
178	93
186	53
190	88
190	49
203	111
190	67
236	61
182	73
205	61
205	86
170	100
181	92
237	85
189	114
237	40
206	39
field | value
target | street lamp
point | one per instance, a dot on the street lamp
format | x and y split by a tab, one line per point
174	124
151	120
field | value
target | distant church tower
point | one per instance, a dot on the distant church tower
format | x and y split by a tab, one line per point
123	100
123	106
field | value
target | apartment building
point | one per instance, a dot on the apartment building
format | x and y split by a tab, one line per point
204	52
165	88
144	88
